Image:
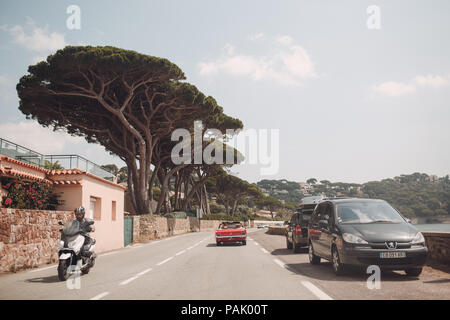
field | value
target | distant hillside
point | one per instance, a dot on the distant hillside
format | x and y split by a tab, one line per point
415	195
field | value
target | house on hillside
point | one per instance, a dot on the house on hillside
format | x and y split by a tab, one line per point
265	213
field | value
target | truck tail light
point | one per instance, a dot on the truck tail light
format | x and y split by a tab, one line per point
298	230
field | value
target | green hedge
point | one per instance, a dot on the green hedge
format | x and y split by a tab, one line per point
176	215
222	216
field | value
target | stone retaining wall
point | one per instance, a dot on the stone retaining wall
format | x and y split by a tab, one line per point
276	230
29	238
150	227
438	244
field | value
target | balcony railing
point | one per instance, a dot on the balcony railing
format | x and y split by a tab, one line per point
71	161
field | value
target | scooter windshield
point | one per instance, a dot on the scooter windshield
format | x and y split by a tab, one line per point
72	228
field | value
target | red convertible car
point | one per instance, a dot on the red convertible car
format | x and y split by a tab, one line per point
231	232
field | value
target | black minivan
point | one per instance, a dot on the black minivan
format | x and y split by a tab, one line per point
297	229
363	232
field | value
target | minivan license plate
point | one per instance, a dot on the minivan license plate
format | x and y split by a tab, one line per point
392	255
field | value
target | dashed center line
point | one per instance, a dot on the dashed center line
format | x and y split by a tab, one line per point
128	281
101	295
264	250
164	261
135	277
144	272
181	252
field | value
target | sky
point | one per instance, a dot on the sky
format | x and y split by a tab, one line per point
351	102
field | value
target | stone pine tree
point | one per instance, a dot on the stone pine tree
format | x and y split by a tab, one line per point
119	98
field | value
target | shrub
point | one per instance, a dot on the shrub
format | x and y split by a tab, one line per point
29	195
216	208
222	216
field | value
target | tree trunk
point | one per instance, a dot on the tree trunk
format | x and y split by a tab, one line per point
208	211
234	206
165	183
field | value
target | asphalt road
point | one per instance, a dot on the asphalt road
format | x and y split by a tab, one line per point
191	266
394	285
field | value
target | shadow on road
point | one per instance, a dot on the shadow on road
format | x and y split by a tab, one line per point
224	245
49	279
324	271
283	252
438	281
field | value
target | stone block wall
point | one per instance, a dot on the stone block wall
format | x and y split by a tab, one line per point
150	227
276	230
29	238
438	244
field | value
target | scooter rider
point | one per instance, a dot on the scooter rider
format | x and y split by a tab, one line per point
85	224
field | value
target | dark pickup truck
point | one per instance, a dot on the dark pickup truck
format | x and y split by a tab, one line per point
297	228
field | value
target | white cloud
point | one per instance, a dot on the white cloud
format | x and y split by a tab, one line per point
229	49
256	36
285	40
38	59
392	88
431	81
34	38
35	137
289	64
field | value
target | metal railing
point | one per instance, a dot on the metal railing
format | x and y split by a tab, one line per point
71	161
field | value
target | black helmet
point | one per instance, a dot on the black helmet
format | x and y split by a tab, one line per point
80	210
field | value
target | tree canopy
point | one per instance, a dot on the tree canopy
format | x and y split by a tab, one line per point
126	101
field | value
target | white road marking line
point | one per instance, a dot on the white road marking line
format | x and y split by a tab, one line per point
135	277
308	285
264	250
101	295
316	291
46	268
190	248
278	262
144	272
107	254
128	281
181	252
164	261
256	243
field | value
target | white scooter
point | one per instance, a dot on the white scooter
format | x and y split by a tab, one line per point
72	251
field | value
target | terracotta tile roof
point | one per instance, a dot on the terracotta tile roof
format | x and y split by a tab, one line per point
51	173
67	182
65	171
23	164
81	172
15	173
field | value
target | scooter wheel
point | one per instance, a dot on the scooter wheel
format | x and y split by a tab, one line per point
63	265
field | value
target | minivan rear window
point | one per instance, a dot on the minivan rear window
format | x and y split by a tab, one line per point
306	214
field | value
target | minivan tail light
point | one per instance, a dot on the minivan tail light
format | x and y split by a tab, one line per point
298	229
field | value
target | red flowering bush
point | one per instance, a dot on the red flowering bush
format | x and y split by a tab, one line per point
29	195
